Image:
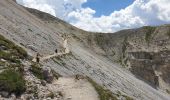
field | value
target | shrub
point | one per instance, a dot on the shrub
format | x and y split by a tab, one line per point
9	57
149	31
20	52
37	71
168	33
51	95
56	75
12	81
13	49
103	93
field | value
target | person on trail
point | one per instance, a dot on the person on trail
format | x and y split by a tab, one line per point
156	81
56	51
38	58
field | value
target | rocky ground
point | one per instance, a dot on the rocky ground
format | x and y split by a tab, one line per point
104	58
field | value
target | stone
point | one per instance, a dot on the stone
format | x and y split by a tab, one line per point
48	76
43	83
4	94
13	97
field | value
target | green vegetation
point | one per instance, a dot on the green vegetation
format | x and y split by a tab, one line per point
56	75
167	91
11	78
123	59
105	94
119	94
12	81
11	51
149	31
9	57
168	33
37	71
51	95
100	39
59	61
124	47
30	30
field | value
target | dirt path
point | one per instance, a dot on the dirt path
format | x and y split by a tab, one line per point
76	89
66	51
51	56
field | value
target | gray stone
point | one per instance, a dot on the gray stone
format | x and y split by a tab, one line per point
43	82
48	76
4	94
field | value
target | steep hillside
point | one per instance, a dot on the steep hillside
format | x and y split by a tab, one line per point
95	55
144	51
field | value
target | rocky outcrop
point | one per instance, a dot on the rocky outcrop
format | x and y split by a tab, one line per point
152	67
48	75
145	51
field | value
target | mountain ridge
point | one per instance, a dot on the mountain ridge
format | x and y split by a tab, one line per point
91	53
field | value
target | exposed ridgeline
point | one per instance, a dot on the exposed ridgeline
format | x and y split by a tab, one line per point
91	54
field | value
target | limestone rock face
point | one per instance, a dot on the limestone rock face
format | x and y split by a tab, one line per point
99	56
144	51
153	68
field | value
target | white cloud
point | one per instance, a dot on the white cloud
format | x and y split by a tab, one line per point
58	8
141	12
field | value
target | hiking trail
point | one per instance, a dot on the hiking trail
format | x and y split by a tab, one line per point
73	89
66	51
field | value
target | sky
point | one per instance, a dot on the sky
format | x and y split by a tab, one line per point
105	15
106	8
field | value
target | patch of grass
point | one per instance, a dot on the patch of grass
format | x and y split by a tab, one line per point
2	64
9	57
37	71
56	75
149	31
103	93
127	97
124	47
51	95
30	30
167	91
13	50
20	52
59	61
168	33
12	81
122	59
100	40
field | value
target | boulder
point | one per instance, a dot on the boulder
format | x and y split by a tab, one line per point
47	74
4	94
43	83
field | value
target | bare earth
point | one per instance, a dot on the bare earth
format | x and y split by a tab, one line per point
73	89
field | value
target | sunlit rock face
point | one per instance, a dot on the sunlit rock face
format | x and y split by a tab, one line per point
152	67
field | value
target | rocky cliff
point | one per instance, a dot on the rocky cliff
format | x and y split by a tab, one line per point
144	51
130	63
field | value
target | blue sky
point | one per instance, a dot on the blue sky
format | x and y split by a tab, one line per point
106	7
105	15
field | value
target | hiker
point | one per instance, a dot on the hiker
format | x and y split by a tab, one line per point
156	81
38	58
56	51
